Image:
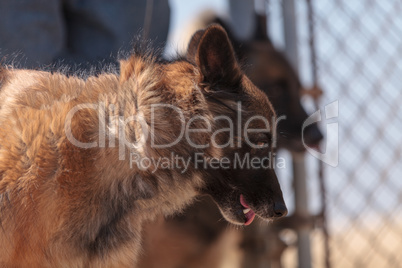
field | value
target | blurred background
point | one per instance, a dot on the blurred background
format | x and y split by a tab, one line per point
352	50
359	63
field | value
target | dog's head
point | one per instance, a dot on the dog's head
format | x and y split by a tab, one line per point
242	181
272	73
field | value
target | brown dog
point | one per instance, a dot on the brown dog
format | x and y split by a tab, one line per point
192	239
77	179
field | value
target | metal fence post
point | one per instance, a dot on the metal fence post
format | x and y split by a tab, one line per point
299	166
301	209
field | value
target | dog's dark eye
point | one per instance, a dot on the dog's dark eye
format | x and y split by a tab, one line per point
262	144
262	141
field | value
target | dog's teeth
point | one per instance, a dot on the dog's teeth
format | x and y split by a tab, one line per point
245	211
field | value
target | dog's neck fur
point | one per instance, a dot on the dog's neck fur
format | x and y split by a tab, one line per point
121	190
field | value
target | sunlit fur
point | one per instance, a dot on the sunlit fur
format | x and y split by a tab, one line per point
67	206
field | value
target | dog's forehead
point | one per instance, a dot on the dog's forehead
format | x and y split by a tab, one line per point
261	105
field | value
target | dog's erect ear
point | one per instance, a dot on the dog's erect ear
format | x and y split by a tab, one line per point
193	45
215	56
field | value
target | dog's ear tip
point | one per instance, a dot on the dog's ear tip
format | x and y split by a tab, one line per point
215	31
201	36
216	26
215	55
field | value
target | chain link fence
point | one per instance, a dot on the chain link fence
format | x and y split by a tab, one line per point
359	64
358	47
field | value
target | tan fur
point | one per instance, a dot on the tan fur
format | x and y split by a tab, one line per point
48	186
68	194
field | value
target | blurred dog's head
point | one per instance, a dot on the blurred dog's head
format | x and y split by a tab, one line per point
271	72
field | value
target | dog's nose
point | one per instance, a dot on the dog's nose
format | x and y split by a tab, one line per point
280	210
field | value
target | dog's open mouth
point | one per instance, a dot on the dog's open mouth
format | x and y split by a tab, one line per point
249	214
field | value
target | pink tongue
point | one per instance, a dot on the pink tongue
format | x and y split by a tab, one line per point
243	202
249	215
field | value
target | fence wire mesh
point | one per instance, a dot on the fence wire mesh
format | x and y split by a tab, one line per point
359	58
